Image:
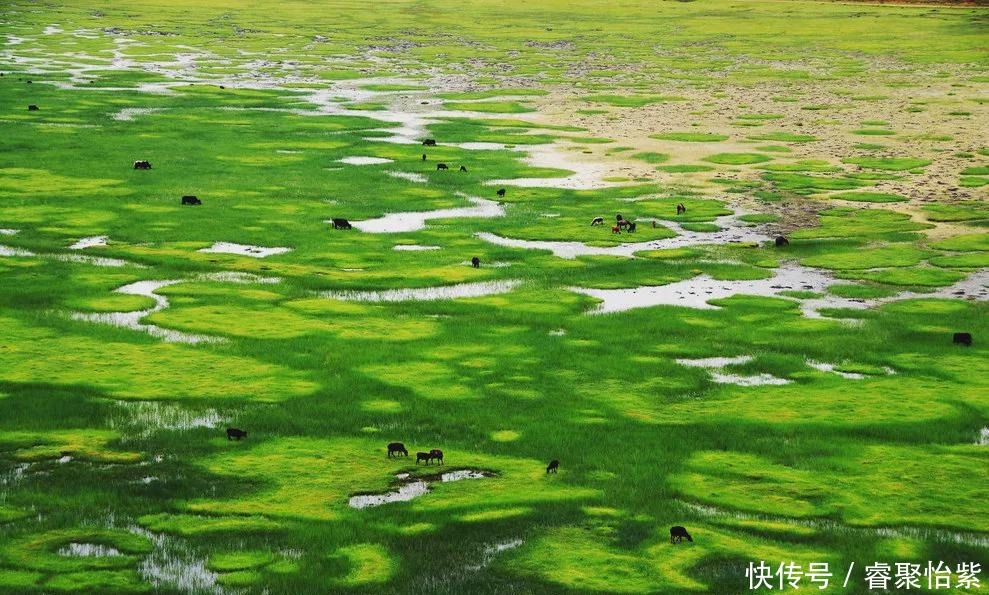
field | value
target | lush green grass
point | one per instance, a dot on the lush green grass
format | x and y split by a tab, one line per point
869	196
108	433
489	93
888	163
684	168
630	101
498	107
737	158
652	157
784	137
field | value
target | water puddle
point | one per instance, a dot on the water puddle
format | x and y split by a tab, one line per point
463	474
588	175
364	160
415	248
409	176
732	231
715	362
238	277
413	487
132	320
973	287
697	291
445	292
145	418
89	243
244	250
715	367
480	146
89	550
128	114
825	367
11	251
416	220
173	564
832	526
9	232
402	494
491	551
983	439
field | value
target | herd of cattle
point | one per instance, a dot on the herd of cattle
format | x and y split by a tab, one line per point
398	449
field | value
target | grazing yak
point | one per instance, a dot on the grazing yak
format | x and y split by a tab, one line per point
681	209
191	200
678	533
397	448
429	142
341	223
631	226
616	229
423	156
422	456
442	166
235	434
463	168
962	339
782	242
142	164
553	466
475	262
436	455
501	192
597	221
32	108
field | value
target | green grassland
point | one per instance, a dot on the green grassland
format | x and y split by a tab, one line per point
115	472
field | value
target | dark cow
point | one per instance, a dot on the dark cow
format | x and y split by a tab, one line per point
436	455
678	533
624	223
429	142
475	262
32	108
631	227
782	242
654	223
681	209
341	223
423	156
422	456
553	466
442	166
397	448
962	339
235	434
597	221
191	200
142	164
619	218
463	168
501	192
